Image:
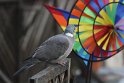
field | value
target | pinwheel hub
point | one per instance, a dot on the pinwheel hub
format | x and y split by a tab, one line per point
111	26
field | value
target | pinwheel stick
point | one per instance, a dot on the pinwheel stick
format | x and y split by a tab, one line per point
89	71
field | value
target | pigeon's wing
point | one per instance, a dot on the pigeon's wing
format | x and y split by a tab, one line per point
52	48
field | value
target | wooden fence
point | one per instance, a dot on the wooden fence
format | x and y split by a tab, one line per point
53	74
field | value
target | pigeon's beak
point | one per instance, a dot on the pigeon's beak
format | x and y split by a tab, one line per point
75	28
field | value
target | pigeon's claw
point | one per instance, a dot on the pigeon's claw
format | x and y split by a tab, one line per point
62	62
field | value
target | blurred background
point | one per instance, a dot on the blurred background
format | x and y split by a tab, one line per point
25	24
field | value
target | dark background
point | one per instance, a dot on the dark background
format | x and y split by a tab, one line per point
24	25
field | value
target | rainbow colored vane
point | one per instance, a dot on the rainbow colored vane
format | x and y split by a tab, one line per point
100	27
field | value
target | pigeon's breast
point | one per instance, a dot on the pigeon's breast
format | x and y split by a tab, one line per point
71	44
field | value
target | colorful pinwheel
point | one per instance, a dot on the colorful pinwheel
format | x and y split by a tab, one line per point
100	27
103	26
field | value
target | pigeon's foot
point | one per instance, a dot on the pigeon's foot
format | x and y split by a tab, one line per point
62	62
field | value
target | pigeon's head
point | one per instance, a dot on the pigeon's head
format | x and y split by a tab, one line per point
69	31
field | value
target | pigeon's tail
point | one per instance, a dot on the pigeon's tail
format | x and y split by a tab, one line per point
26	65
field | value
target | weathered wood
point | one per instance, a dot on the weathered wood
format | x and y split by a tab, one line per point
68	71
53	72
62	77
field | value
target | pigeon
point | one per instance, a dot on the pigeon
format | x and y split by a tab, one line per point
53	50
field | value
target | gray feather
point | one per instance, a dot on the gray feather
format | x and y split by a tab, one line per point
26	65
53	48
